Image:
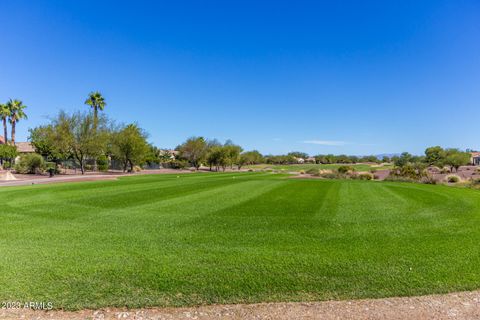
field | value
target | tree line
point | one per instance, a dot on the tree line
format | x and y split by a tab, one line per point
83	136
216	155
89	135
11	113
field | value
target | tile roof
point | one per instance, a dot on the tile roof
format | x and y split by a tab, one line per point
24	147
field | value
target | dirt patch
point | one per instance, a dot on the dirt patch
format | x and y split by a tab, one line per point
463	305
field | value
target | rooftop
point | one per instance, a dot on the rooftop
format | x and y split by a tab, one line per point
24	147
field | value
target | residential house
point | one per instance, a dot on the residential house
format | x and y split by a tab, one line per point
475	158
300	160
22	147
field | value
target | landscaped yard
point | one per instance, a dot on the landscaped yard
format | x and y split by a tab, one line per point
307	166
158	240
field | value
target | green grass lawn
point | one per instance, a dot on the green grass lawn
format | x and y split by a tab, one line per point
307	166
159	240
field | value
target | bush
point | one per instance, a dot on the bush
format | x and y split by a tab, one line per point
474	183
52	166
332	175
6	165
444	170
365	176
102	163
428	180
313	171
397	178
176	164
453	179
345	169
302	171
30	163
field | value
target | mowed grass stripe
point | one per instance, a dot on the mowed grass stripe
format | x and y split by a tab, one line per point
230	238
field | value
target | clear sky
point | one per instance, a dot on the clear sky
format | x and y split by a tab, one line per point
356	77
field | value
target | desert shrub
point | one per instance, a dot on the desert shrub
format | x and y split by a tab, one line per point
102	163
30	163
410	171
7	165
428	180
176	164
397	178
332	175
474	183
444	170
312	171
365	176
345	169
452	179
302	171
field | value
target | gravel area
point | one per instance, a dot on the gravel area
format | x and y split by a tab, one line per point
463	305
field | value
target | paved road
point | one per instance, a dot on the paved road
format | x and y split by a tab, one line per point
57	179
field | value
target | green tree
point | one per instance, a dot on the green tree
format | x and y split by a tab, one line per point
194	150
233	153
17	112
298	154
404	159
47	143
435	156
129	145
7	153
249	158
75	135
455	158
4	115
218	156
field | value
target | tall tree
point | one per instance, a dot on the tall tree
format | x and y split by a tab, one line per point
129	145
455	159
233	152
435	156
75	136
194	150
4	115
17	112
97	102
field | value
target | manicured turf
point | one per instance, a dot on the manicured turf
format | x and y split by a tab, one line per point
307	166
226	238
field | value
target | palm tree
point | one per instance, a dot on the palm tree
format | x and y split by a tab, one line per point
97	102
4	114
17	113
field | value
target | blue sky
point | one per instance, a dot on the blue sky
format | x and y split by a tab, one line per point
356	77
